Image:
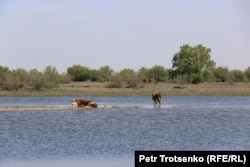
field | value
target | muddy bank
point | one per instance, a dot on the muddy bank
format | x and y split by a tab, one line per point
53	108
35	108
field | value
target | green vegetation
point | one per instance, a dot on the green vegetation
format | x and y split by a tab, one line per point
190	65
194	64
14	80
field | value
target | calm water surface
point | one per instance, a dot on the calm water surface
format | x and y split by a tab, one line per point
108	136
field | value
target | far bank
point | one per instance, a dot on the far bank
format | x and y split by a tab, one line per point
167	89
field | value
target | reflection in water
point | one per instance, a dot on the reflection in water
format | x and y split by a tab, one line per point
104	137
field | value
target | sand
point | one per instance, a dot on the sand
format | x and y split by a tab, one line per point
35	108
58	108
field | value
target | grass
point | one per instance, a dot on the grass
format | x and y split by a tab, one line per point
168	89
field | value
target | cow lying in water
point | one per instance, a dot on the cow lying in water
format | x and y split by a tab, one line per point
156	97
84	103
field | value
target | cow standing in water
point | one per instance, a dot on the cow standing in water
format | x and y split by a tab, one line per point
157	98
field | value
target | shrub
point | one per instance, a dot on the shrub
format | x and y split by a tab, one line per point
247	74
79	73
221	74
37	79
15	79
115	82
237	76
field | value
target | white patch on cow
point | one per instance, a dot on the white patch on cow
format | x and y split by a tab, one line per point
92	102
87	107
74	103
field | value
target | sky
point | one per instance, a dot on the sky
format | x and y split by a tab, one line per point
121	33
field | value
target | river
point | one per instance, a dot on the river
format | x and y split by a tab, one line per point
109	135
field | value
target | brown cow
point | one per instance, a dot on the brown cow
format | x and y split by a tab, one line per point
84	103
157	98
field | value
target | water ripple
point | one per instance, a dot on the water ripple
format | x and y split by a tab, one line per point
119	131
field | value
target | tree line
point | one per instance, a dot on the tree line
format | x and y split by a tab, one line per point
189	65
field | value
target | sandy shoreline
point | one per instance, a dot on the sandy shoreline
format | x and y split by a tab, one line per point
56	108
35	108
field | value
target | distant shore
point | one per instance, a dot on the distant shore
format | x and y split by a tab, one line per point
167	89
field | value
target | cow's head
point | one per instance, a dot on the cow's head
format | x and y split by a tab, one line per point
74	102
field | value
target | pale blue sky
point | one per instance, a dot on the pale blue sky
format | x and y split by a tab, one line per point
121	34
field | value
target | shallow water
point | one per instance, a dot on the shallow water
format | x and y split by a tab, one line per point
109	137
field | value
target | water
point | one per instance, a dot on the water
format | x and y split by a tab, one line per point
108	136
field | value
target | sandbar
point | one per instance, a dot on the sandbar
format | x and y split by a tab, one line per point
58	108
35	108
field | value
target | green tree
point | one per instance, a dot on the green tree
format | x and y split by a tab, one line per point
4	69
16	79
79	73
94	75
37	80
125	78
158	73
51	75
143	74
3	73
247	74
237	76
127	74
130	78
221	74
105	73
194	63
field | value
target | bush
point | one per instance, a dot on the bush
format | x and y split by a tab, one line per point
3	72
105	73
36	79
237	76
79	73
115	82
247	74
64	79
221	74
125	78
15	79
158	73
52	77
49	79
